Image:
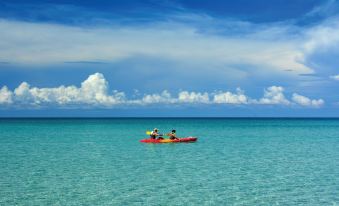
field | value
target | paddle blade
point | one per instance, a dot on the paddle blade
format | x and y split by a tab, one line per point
148	132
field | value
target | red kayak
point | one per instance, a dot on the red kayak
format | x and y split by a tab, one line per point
185	139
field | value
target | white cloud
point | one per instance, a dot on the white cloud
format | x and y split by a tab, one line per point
305	101
52	43
164	97
322	37
335	77
23	93
274	95
5	96
193	97
231	98
94	91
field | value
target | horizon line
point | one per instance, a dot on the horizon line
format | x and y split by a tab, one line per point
187	117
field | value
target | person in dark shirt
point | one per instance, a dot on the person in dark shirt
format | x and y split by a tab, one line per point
172	135
154	134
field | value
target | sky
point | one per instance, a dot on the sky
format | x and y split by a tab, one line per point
193	58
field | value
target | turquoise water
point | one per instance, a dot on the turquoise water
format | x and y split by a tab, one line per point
234	162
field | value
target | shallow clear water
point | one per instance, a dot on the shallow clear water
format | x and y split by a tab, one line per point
234	162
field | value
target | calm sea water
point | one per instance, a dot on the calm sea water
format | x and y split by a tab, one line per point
234	162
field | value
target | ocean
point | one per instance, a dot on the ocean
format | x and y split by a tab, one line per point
236	161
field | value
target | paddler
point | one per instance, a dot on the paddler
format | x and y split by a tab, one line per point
154	134
172	135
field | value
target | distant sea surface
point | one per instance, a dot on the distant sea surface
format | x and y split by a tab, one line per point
235	162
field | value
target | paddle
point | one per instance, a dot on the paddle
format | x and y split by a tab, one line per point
149	133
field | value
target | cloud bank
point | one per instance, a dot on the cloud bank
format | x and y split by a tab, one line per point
266	47
94	92
278	47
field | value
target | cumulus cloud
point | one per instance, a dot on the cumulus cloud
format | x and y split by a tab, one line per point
193	97
164	97
230	98
274	95
94	91
5	96
305	101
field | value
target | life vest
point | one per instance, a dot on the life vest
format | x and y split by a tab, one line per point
153	134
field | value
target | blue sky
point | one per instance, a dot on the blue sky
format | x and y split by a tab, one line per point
169	58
